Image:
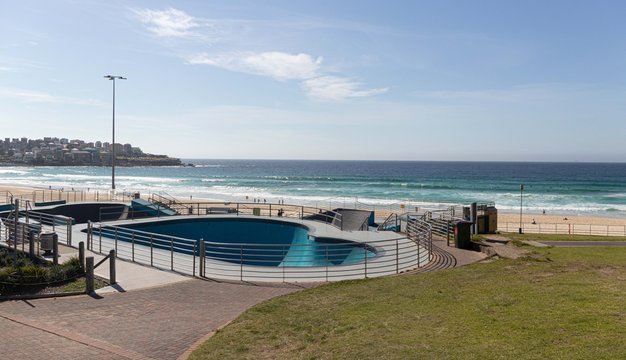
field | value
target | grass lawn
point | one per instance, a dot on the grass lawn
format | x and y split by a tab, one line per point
563	303
562	237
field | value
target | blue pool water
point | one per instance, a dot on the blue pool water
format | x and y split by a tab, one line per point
260	242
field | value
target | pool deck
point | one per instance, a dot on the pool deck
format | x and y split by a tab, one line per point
396	253
151	314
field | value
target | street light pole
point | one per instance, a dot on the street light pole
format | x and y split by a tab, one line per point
521	196
113	77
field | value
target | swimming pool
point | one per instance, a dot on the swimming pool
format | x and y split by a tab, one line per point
245	241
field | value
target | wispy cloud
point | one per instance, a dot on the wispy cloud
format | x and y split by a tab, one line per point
283	66
41	97
168	23
277	65
336	88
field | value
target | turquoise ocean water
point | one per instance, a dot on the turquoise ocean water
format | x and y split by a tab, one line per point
580	188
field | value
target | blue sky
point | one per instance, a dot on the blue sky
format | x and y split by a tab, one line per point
388	80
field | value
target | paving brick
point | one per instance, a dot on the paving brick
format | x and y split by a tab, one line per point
159	323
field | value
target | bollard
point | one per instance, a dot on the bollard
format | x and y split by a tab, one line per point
81	254
55	249
31	244
112	279
89	284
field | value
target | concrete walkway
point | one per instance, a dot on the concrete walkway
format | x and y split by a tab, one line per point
463	257
129	275
155	323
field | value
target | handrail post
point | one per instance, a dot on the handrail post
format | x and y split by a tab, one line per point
397	258
202	253
89	232
172	253
31	244
16	220
89	283
327	262
132	241
151	249
365	256
241	263
81	254
193	271
417	243
55	250
112	279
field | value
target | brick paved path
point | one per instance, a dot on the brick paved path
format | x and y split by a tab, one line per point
158	323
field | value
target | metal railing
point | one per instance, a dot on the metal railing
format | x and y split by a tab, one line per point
17	235
565	229
321	260
39	222
7	197
67	195
391	223
442	221
160	251
206	208
420	232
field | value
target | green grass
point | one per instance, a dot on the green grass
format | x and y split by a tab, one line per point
562	237
564	303
77	285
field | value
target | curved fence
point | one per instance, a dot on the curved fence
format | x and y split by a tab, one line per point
310	262
420	232
159	204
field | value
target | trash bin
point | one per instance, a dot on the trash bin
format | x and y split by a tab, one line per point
463	235
46	241
137	195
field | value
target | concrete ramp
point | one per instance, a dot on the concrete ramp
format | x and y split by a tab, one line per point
147	208
353	220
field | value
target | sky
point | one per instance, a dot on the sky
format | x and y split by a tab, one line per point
352	80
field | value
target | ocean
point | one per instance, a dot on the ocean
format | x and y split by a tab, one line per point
594	189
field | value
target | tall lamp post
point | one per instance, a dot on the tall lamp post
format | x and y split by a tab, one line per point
521	197
113	77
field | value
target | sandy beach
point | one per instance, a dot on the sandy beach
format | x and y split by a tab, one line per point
558	219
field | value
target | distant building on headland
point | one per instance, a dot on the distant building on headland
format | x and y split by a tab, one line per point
51	151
